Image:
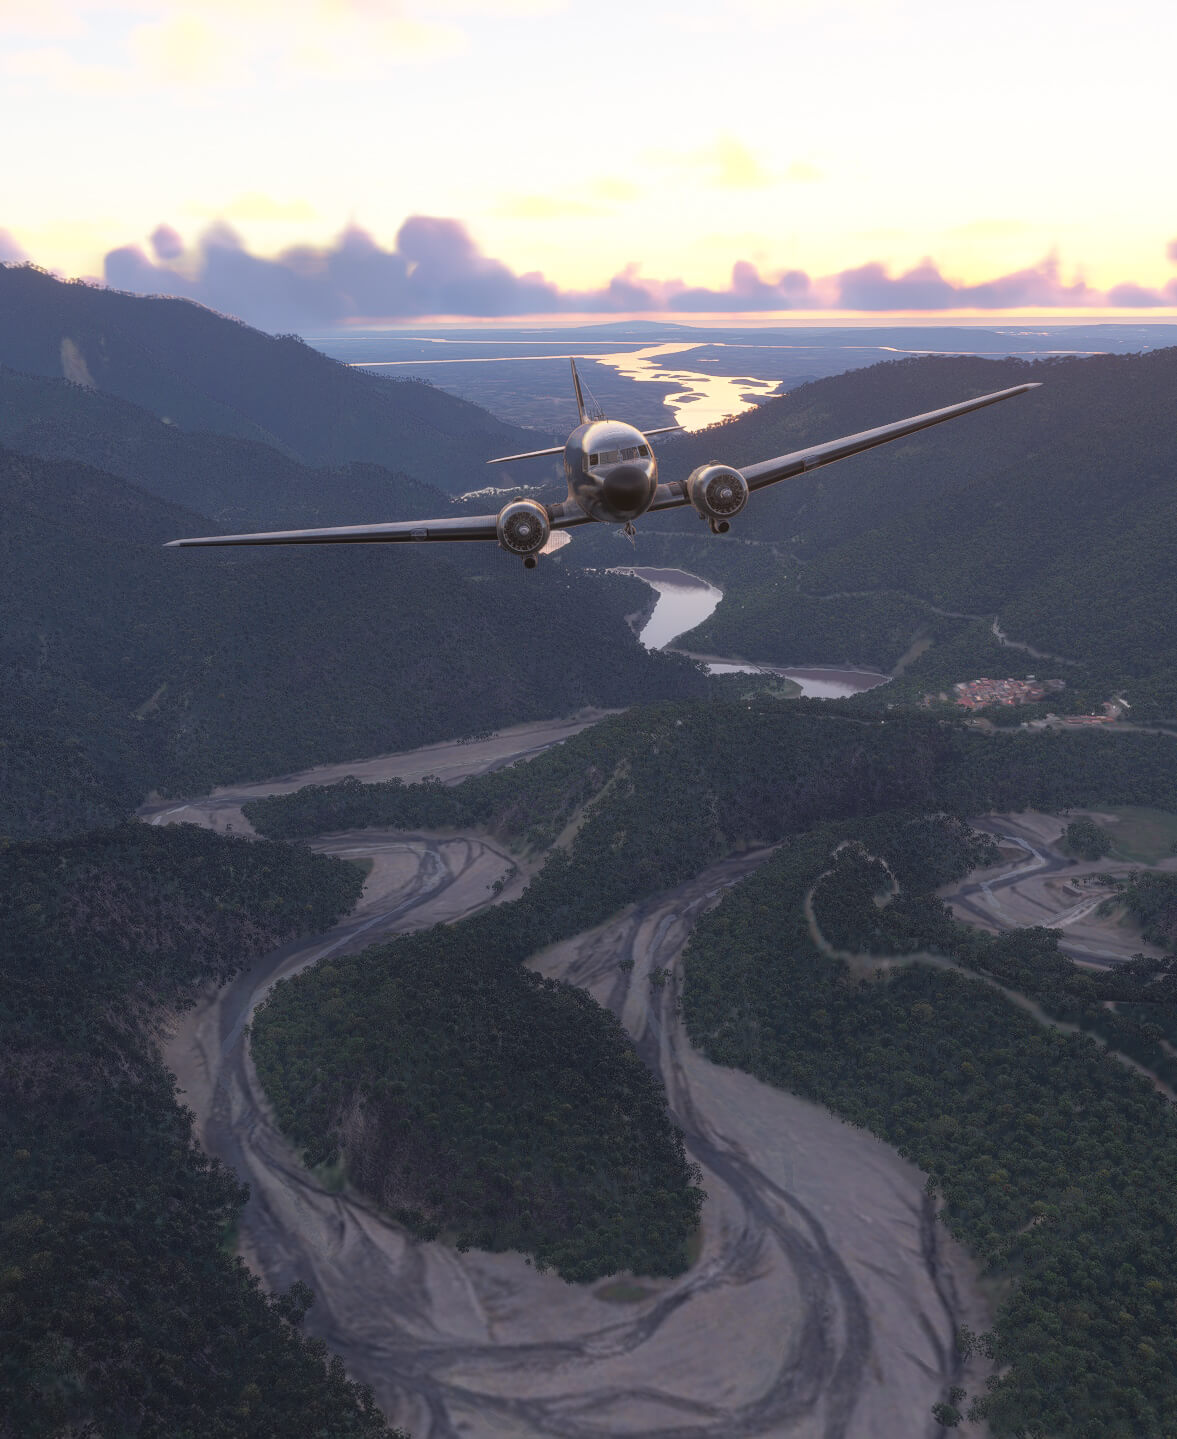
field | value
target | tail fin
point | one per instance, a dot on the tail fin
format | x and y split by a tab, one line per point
580	409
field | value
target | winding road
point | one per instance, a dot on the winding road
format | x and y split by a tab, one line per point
1037	884
822	1301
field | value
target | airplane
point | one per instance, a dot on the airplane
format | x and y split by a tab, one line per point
612	477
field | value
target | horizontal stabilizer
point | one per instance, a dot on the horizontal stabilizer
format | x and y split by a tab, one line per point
665	430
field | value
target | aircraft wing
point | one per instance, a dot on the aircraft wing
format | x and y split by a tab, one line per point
800	462
464	527
468	527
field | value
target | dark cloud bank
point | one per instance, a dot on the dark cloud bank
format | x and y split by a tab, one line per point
436	269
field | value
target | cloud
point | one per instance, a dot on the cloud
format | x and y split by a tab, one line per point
166	243
1171	251
749	292
436	268
1133	297
871	287
10	252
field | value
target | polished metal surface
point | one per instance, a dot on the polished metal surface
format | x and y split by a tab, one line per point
524	527
611	471
717	491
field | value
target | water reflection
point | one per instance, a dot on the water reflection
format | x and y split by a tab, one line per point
699	399
685	600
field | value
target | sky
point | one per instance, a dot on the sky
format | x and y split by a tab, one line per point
310	162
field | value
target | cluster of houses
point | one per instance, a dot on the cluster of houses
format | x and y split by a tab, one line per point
976	694
979	694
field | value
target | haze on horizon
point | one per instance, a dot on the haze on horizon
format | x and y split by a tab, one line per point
313	163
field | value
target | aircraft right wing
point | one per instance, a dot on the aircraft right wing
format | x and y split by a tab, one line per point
800	462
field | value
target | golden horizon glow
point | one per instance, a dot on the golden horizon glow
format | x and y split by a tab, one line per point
821	136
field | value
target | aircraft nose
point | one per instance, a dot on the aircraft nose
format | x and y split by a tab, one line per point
627	489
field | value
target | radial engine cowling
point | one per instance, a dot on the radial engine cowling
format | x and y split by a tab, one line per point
524	529
718	493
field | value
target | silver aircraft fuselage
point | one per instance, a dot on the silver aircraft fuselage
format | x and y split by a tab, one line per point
611	471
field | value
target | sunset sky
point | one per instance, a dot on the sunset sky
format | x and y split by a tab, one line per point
697	149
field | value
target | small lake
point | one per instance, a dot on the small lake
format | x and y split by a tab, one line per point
685	600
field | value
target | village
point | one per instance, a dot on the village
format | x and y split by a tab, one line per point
981	694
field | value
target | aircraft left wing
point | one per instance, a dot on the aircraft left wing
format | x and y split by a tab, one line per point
467	527
462	527
800	462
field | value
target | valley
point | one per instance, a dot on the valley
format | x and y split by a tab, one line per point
697	909
823	1298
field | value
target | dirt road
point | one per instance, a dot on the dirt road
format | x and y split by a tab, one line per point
824	1295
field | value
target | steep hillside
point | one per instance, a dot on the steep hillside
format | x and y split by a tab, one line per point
241	484
1056	512
121	1311
203	371
124	666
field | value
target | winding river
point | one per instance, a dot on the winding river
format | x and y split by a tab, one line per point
824	1298
685	600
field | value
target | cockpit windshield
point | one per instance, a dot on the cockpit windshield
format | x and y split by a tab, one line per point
613	457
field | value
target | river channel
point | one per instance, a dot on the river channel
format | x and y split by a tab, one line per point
685	600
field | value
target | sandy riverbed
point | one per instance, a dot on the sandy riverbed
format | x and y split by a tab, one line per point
449	761
1037	884
824	1297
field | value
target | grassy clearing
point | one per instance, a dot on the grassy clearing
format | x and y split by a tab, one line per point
363	865
1142	836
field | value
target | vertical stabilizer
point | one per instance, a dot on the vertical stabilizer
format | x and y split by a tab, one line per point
580	409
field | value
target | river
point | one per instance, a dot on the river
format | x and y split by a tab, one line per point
825	1295
685	600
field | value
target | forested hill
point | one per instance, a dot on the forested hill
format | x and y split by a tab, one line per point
203	371
121	1310
239	484
126	667
1056	511
667	788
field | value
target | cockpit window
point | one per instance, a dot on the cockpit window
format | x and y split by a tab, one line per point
610	457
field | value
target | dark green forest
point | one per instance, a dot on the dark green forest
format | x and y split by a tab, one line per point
733	773
120	1310
473	1099
1052	1161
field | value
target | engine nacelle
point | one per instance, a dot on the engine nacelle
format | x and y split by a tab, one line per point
524	529
718	493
